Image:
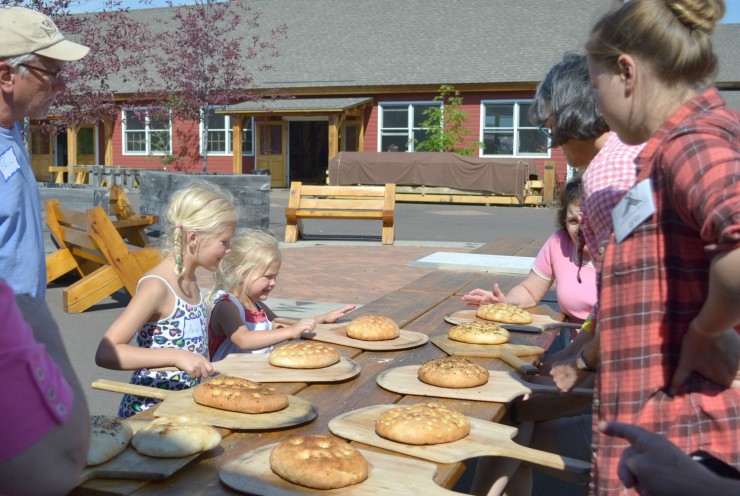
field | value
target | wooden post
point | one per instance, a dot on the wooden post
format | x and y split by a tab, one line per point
236	143
333	136
72	145
108	141
548	193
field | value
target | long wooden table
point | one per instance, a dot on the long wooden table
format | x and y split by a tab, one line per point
419	306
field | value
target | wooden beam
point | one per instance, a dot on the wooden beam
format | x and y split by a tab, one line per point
333	136
548	190
72	145
108	141
236	143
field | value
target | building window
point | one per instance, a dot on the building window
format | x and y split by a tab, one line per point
506	131
400	125
145	135
220	140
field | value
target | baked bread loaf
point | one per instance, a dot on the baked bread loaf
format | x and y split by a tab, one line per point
479	333
504	312
304	355
239	395
453	372
318	462
373	328
423	423
109	436
174	437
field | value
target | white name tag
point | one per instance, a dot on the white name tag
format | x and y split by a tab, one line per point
632	210
9	163
192	328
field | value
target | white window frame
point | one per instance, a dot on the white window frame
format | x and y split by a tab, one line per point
516	128
147	136
409	124
229	139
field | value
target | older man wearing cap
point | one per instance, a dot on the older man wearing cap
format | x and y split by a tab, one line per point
32	54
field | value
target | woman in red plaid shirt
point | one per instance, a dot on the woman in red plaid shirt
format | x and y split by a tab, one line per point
670	289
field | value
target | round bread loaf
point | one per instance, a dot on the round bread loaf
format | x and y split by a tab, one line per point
174	437
109	436
503	312
479	333
318	462
373	328
239	395
423	423
304	355
453	372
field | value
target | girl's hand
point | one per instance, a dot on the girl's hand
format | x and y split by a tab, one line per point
303	325
195	366
482	297
714	355
334	315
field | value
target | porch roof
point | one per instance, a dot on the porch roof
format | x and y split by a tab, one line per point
296	105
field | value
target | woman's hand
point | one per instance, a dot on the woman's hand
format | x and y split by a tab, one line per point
566	375
483	297
716	356
195	366
334	315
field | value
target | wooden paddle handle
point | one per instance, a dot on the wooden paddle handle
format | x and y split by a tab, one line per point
523	367
135	389
546	459
545	388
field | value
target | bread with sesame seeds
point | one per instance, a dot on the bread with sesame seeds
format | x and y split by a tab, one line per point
304	355
239	395
453	372
423	423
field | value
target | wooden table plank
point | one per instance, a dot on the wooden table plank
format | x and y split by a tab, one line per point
419	306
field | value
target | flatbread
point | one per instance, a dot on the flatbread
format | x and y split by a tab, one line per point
109	436
423	423
373	328
504	312
453	372
174	437
478	333
304	355
239	395
318	462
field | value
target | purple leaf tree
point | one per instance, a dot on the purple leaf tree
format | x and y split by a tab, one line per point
206	56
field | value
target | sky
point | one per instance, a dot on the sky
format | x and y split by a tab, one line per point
732	15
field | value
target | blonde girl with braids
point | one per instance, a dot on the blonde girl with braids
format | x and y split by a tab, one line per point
241	284
167	315
670	282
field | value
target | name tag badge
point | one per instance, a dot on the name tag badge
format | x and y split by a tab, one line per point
632	210
192	328
9	163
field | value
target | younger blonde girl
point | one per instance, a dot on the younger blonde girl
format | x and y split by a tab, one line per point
167	314
242	282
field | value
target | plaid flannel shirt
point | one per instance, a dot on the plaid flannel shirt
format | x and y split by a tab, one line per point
655	282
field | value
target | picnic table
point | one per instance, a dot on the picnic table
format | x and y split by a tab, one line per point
419	306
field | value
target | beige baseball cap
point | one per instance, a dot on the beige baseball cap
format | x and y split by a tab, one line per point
27	31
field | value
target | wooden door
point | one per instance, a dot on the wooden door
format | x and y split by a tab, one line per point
271	145
42	153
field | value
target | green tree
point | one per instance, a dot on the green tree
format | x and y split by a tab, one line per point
445	125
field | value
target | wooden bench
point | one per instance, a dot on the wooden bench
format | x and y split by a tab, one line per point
340	202
90	243
79	173
129	224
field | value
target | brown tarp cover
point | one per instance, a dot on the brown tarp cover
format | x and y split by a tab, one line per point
504	176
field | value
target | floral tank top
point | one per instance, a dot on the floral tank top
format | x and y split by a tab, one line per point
184	328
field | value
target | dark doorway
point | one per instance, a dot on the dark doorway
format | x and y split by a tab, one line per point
309	151
61	150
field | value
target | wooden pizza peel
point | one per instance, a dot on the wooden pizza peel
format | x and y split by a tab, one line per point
502	387
485	439
174	403
129	464
507	352
540	322
388	474
255	367
337	334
